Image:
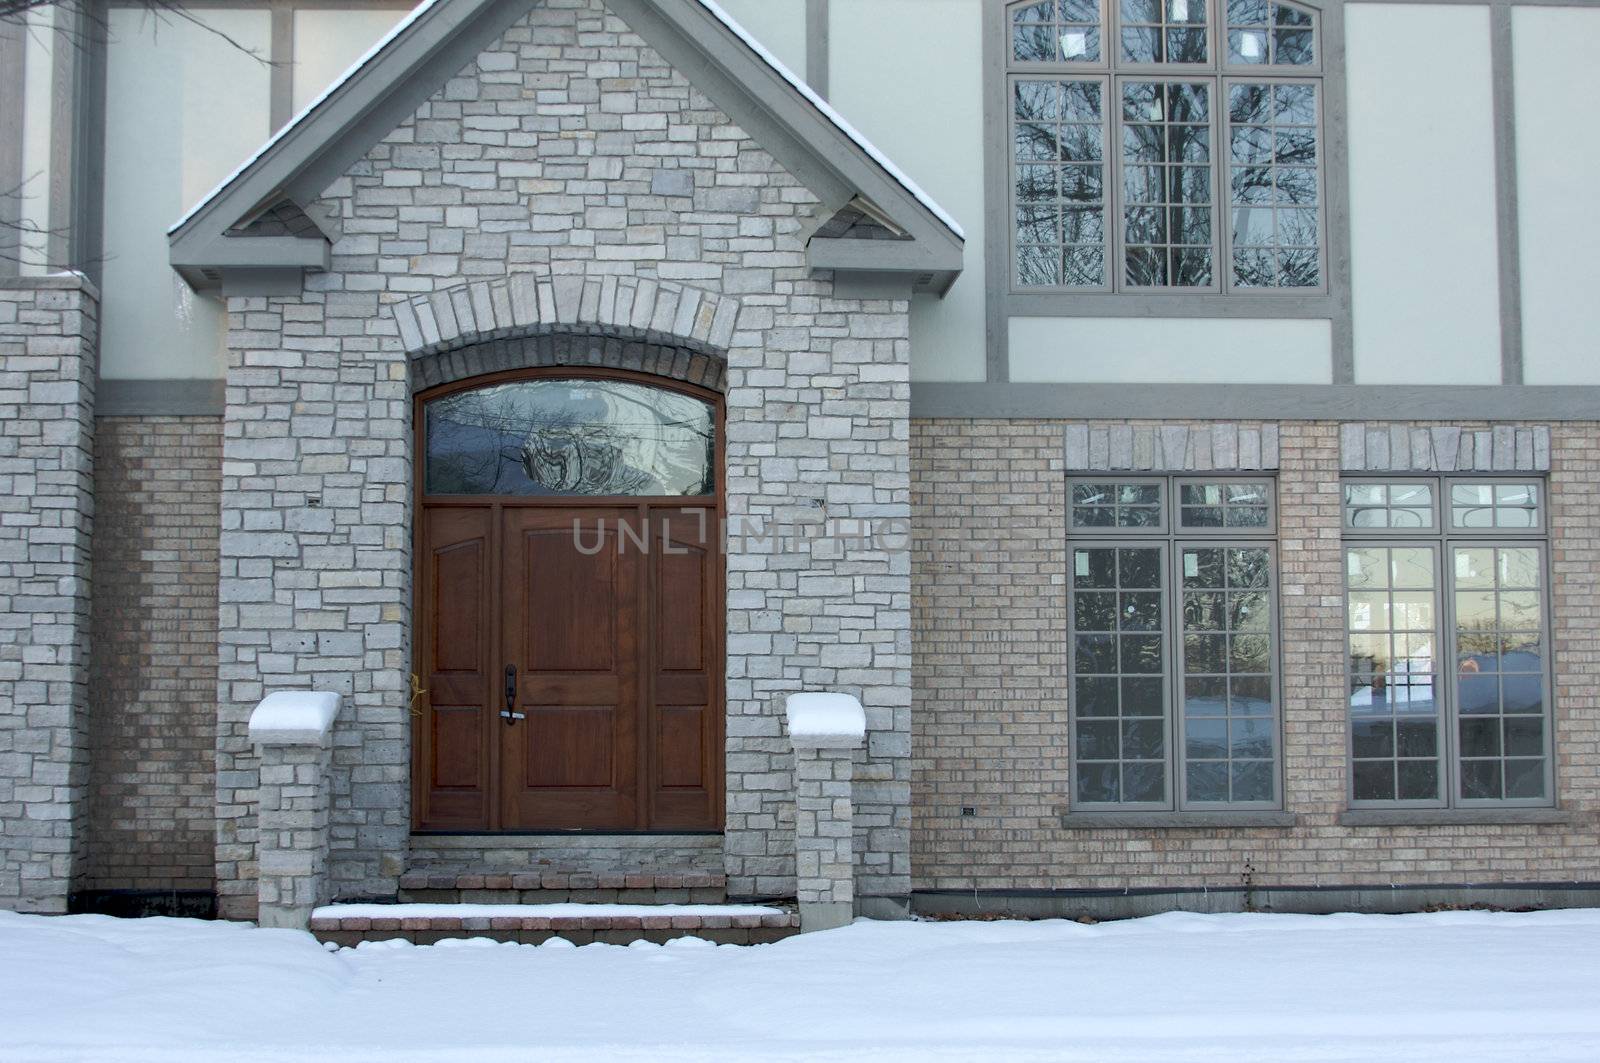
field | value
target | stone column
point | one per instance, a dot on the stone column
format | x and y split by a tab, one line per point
47	377
292	733
826	730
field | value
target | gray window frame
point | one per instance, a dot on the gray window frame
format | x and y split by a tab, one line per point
1160	529
1111	298
1445	540
1171	540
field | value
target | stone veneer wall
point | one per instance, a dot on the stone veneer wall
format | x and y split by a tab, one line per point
567	148
47	379
990	728
153	694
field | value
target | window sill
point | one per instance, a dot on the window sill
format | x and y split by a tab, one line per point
1175	820
1452	817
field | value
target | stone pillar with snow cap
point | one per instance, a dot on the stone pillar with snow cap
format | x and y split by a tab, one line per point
826	730
293	732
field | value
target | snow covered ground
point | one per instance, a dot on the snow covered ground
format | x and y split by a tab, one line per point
1458	987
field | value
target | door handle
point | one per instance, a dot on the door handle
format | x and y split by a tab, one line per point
510	714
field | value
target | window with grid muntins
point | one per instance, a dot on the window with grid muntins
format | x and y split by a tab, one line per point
1174	690
1158	146
1449	677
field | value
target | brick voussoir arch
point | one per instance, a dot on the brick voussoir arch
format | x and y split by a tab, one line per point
497	318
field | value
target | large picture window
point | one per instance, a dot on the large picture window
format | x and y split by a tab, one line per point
1164	145
1448	643
1173	645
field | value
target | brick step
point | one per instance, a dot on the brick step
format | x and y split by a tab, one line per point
530	924
547	886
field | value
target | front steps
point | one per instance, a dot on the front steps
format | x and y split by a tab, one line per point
443	885
532	924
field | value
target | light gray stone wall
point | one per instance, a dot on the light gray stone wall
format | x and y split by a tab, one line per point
567	151
824	830
1384	447
293	825
47	378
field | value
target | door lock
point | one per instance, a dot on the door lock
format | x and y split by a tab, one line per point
510	714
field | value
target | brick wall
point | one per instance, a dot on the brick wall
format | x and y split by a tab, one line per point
989	621
154	690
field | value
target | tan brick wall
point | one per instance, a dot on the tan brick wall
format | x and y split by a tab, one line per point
989	720
154	661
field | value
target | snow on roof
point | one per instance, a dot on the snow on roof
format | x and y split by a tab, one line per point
710	5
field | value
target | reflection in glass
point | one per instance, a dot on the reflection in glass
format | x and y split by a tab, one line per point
570	437
1273	150
1390	606
1499	670
1118	663
1227	667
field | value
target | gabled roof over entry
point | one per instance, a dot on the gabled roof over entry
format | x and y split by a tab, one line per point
252	232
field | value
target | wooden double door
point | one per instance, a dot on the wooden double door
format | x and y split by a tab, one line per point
570	657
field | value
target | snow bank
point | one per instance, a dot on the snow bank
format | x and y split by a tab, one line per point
1467	987
825	719
294	717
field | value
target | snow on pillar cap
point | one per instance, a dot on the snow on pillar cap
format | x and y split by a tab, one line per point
294	718
826	720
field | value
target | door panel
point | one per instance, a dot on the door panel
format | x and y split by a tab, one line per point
571	629
684	707
456	584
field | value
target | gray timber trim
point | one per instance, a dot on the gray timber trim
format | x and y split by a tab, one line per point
159	398
70	22
1508	228
281	58
1175	820
1285	402
1405	448
1336	188
309	154
13	77
818	30
996	198
1332	304
1454	817
86	248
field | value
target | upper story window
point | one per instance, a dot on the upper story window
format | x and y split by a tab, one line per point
1165	145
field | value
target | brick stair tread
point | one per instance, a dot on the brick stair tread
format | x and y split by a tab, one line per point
557	879
360	917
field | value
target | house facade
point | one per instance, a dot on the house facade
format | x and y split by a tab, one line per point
1175	423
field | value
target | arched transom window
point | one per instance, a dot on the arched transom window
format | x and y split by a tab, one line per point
1165	145
578	437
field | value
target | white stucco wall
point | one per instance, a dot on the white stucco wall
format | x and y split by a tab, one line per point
909	74
213	101
1188	350
327	42
34	210
1558	153
1424	256
780	25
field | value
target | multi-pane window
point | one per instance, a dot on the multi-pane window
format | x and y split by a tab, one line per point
1151	150
1174	677
1448	642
